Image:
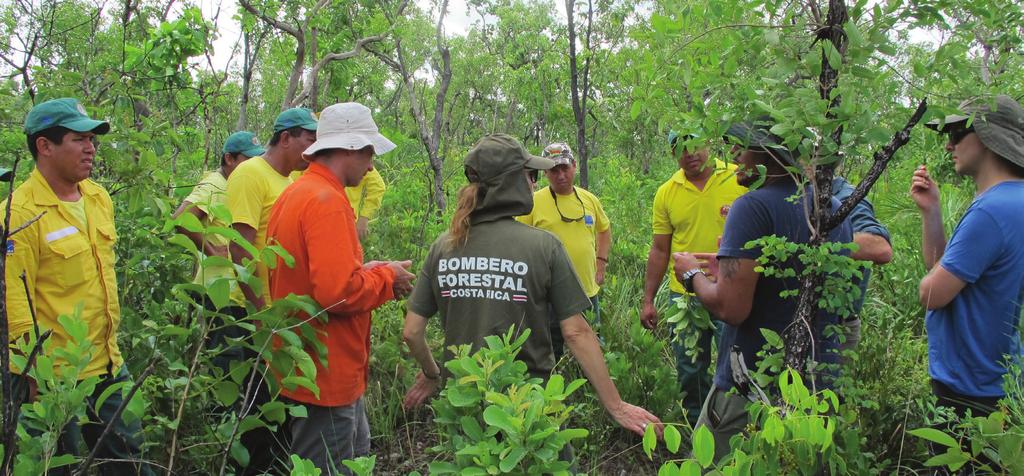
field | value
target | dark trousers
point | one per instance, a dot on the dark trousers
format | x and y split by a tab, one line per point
329	435
593	316
961	404
122	445
265	446
693	375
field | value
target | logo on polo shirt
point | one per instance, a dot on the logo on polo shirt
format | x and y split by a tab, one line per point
10	247
724	211
483	277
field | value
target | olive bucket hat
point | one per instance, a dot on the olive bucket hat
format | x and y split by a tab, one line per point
999	125
498	154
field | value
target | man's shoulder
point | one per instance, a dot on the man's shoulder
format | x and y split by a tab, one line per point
91	188
588	195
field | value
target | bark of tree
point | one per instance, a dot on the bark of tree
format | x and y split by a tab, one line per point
799	336
579	95
429	133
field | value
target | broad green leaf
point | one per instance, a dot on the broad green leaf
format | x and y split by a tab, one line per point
935	436
497	416
650	440
672	438
703	446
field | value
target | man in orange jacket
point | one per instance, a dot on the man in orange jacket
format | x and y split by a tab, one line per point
313	220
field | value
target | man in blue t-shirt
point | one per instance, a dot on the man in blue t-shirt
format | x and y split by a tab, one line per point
975	284
742	298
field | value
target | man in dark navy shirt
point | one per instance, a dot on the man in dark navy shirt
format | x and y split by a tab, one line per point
745	300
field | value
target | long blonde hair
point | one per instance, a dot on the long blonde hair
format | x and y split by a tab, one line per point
458	232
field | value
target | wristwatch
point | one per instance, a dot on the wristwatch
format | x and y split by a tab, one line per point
688	278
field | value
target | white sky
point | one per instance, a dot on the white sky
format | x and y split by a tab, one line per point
457	22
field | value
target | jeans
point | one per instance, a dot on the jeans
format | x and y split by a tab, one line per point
593	316
329	435
694	379
123	442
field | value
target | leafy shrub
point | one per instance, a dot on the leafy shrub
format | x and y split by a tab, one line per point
495	419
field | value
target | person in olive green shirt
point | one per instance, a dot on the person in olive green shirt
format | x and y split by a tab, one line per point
502	274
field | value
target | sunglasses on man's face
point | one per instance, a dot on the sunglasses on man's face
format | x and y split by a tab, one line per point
957	135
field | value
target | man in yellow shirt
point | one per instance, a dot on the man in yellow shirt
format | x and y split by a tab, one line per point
688	215
67	257
255	185
206	203
577	218
366	199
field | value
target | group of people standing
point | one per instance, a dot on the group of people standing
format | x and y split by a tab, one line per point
512	256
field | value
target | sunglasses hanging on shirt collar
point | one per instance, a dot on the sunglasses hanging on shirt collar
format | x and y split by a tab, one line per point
564	218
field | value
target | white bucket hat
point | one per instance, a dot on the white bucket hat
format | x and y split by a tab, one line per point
348	126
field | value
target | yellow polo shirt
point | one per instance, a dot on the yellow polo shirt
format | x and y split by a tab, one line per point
695	218
579	237
67	264
253	188
208	194
368	195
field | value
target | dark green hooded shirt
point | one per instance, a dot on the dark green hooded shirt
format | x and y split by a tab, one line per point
507	274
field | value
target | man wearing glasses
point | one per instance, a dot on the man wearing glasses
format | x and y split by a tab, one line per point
688	214
974	287
577	218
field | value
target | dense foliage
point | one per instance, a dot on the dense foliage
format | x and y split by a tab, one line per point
693	66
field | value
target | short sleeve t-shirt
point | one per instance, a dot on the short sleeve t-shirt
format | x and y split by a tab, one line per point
579	236
507	274
695	218
207	195
252	190
760	213
971	338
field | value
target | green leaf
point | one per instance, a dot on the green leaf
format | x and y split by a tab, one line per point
703	446
495	415
635	109
512	459
650	441
672	438
935	436
226	392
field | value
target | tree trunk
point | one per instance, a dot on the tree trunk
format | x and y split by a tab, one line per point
577	105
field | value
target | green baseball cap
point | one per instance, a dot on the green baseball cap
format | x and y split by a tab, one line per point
1000	129
245	143
63	112
295	117
497	154
757	135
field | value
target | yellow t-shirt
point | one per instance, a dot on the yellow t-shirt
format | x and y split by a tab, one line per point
695	218
252	190
580	236
77	210
208	194
368	195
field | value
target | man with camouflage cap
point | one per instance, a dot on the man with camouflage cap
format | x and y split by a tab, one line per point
66	256
576	217
975	286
